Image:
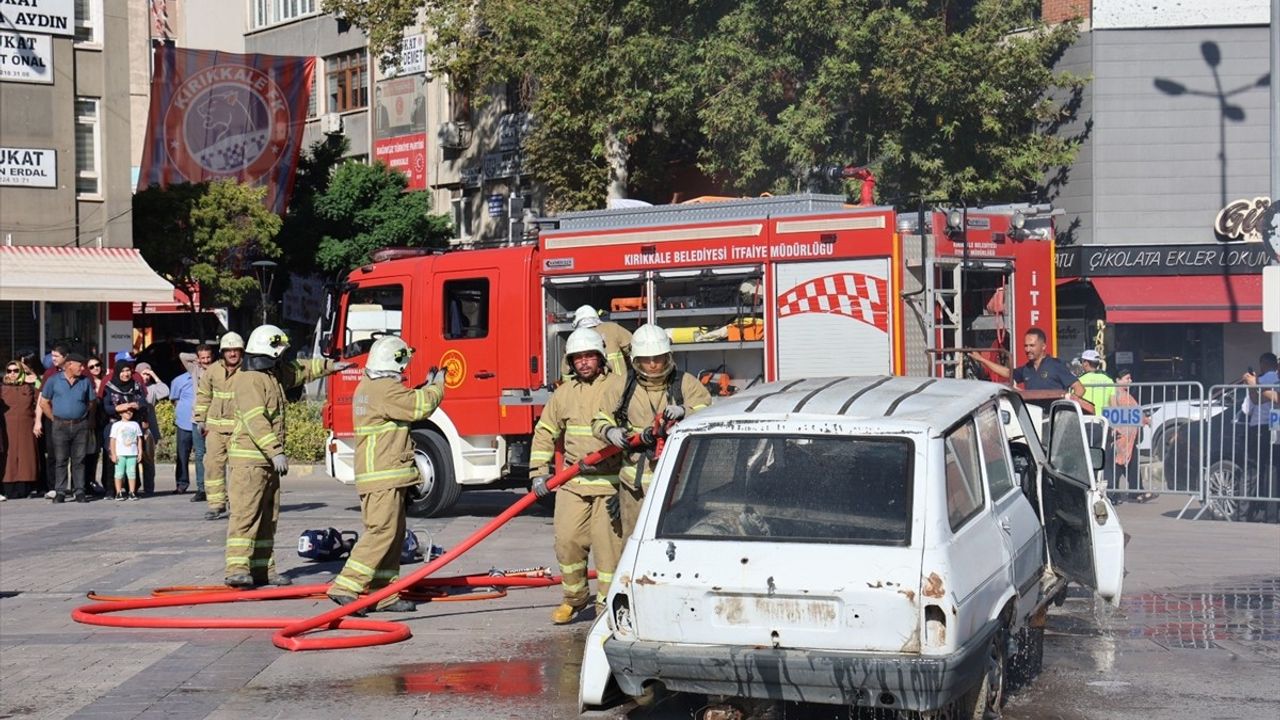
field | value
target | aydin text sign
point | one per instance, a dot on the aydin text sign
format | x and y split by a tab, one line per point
25	57
28	167
49	17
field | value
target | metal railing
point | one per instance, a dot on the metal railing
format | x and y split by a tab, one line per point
1241	475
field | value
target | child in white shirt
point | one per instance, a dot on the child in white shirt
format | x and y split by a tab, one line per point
126	443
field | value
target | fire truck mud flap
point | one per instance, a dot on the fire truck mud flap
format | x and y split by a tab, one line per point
901	682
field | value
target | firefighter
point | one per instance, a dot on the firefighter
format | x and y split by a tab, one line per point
214	415
255	454
656	389
617	341
582	520
382	410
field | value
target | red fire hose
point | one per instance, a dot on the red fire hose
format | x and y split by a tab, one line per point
378	632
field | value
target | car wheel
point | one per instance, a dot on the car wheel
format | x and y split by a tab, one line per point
1227	482
1027	661
437	490
986	700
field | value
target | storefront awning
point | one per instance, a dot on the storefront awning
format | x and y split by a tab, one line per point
57	274
1181	299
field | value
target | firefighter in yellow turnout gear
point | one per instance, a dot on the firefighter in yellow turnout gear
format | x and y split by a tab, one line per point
214	414
617	341
583	524
255	454
382	410
656	389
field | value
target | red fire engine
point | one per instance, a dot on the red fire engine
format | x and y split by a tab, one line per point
751	291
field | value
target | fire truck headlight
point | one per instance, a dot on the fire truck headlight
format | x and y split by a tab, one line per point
955	221
1018	221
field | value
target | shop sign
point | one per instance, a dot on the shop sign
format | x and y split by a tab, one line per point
406	153
1243	220
28	167
1130	260
25	57
413	56
48	17
497	205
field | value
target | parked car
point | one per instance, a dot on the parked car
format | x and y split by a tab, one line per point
1235	461
865	542
1163	418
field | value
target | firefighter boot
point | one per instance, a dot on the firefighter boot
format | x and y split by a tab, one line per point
240	581
400	605
216	513
345	600
277	580
565	614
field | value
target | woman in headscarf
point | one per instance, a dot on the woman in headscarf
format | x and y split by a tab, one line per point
19	441
123	391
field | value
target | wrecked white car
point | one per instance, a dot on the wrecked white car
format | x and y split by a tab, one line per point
865	542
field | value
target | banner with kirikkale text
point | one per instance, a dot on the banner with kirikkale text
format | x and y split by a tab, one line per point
223	115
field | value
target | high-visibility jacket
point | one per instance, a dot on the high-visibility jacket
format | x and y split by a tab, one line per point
1098	389
259	430
648	400
617	350
215	403
382	409
569	412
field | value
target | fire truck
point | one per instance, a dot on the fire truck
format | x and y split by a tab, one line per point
750	290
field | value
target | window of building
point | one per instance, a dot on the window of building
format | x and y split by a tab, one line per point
347	80
88	147
964	475
312	101
271	12
88	21
466	309
459	103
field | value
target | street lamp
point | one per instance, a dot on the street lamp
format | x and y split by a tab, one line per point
265	271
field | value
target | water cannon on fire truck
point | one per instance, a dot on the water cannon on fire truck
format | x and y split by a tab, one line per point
750	290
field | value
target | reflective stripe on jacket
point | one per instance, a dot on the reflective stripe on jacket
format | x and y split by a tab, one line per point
259	430
647	402
382	410
569	413
215	403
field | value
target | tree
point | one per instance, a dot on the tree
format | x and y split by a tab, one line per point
366	208
205	236
940	97
303	227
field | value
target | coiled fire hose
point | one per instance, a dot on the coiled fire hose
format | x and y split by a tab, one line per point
290	630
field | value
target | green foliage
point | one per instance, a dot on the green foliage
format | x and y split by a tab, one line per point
167	448
206	234
305	435
939	97
303	228
366	208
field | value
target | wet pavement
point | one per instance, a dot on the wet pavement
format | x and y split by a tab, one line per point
1197	634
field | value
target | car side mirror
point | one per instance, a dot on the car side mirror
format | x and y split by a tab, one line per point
1097	458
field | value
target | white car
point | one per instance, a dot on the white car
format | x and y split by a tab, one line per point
866	542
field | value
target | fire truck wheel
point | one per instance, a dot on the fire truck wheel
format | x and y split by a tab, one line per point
437	490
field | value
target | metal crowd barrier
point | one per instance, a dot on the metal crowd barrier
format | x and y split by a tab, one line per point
1241	461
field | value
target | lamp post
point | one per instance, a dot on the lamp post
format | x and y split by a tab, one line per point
265	271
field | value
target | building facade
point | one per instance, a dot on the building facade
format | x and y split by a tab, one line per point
65	191
1158	264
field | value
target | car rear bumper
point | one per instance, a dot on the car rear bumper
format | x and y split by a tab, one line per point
902	682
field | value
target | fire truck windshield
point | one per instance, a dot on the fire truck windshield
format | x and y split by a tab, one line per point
371	312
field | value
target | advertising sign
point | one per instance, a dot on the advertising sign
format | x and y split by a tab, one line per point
401	107
406	153
28	167
413	56
48	17
25	57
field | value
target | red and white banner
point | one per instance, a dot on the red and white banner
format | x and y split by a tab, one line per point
406	153
217	115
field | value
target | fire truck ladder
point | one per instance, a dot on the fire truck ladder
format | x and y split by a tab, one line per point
944	323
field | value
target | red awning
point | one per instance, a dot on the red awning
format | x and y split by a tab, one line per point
1181	299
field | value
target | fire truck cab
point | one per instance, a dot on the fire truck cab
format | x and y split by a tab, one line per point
751	291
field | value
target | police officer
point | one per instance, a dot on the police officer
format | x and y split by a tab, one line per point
214	415
255	454
655	390
382	410
617	341
582	521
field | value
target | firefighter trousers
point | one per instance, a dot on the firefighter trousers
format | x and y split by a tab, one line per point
215	469
583	526
251	527
375	560
629	501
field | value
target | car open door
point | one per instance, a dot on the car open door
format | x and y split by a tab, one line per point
1086	542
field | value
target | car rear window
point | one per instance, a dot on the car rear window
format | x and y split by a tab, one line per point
846	489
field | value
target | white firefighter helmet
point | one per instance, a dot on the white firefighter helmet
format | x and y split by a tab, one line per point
584	340
586	317
267	340
389	354
649	341
231	341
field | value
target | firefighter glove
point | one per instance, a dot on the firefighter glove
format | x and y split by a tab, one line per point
340	366
281	464
616	436
648	438
673	412
540	486
437	379
612	505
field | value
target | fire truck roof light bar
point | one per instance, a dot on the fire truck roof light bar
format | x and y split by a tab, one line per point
655	236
